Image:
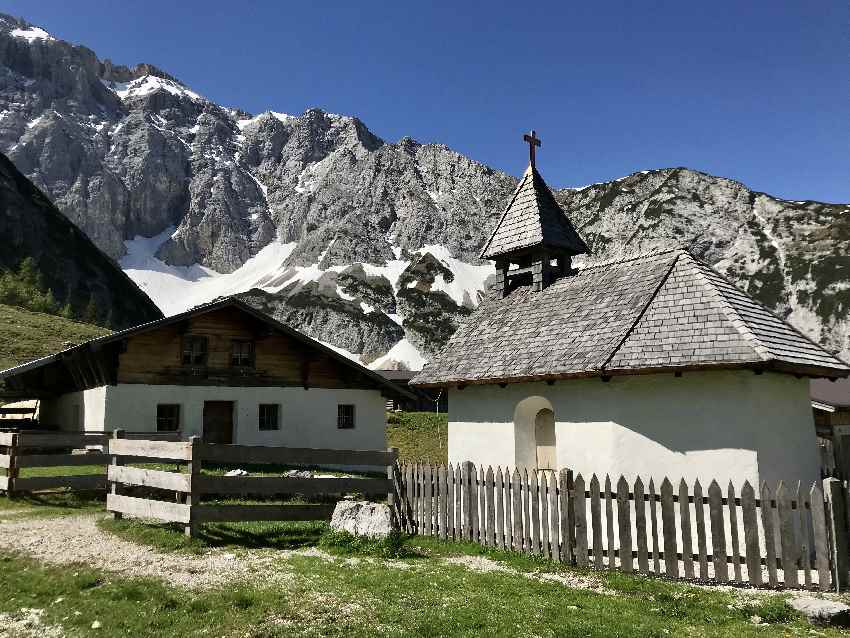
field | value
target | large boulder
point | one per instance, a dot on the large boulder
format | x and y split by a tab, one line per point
822	612
362	518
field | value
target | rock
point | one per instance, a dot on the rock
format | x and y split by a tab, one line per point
96	624
238	472
362	518
822	612
298	474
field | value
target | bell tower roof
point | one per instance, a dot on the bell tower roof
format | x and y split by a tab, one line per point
533	219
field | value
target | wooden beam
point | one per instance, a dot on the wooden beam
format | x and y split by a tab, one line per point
152	449
172	481
145	508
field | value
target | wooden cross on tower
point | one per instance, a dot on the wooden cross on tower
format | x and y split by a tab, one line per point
533	141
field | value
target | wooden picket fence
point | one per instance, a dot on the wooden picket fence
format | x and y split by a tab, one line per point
777	537
190	486
41	449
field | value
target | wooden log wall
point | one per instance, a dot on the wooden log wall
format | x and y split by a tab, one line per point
773	535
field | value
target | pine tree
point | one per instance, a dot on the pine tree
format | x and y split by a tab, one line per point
90	313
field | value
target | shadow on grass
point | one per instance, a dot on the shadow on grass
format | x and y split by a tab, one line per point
50	501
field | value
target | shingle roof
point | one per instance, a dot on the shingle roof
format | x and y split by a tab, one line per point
533	218
653	312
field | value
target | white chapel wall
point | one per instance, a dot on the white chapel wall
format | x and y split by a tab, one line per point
308	418
83	410
721	424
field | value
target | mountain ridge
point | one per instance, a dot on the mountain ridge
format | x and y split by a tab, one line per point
363	243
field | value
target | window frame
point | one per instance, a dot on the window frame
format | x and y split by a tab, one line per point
260	425
251	355
343	420
175	417
188	348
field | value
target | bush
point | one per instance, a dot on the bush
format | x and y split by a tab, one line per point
339	542
772	609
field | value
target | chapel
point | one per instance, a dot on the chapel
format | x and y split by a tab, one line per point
653	365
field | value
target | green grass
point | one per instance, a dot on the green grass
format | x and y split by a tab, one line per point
419	436
31	335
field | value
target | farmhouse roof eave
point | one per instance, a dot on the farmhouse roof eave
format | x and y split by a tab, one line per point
95	344
814	372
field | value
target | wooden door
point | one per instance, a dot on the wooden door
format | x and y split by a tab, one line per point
218	421
544	436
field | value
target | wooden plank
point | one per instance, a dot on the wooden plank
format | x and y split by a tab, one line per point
516	498
702	546
751	534
566	523
805	537
428	477
500	509
543	486
534	499
5	460
509	527
146	508
152	449
611	546
653	517
420	499
409	521
450	502
459	519
6	438
769	538
733	525
61	460
4	483
555	524
442	518
60	439
483	532
267	485
467	514
595	520
685	526
580	514
240	513
787	539
624	521
640	527
173	481
668	523
475	522
74	482
834	491
820	534
718	532
526	514
259	454
491	507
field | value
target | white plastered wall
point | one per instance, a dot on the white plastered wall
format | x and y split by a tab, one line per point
728	425
75	410
308	418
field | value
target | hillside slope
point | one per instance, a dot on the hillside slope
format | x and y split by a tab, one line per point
30	335
71	265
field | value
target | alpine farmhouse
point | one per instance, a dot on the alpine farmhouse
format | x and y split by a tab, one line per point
223	371
651	366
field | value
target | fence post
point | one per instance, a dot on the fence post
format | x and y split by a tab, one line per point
837	522
116	461
12	470
193	468
392	502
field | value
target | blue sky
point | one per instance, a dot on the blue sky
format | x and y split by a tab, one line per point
755	90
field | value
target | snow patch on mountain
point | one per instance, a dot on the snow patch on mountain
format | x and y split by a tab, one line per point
31	33
148	84
402	356
468	280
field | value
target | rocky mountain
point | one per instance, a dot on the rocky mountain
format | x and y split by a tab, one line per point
71	266
367	245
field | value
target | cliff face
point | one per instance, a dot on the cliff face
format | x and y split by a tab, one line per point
354	240
72	266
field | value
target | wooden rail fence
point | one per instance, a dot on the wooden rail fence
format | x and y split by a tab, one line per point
190	487
783	536
34	449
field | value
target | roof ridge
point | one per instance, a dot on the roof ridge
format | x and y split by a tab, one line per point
764	353
611	262
642	312
505	212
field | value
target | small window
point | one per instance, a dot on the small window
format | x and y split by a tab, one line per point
268	417
345	416
194	351
242	354
167	417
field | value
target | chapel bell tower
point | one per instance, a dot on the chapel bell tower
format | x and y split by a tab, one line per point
534	234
